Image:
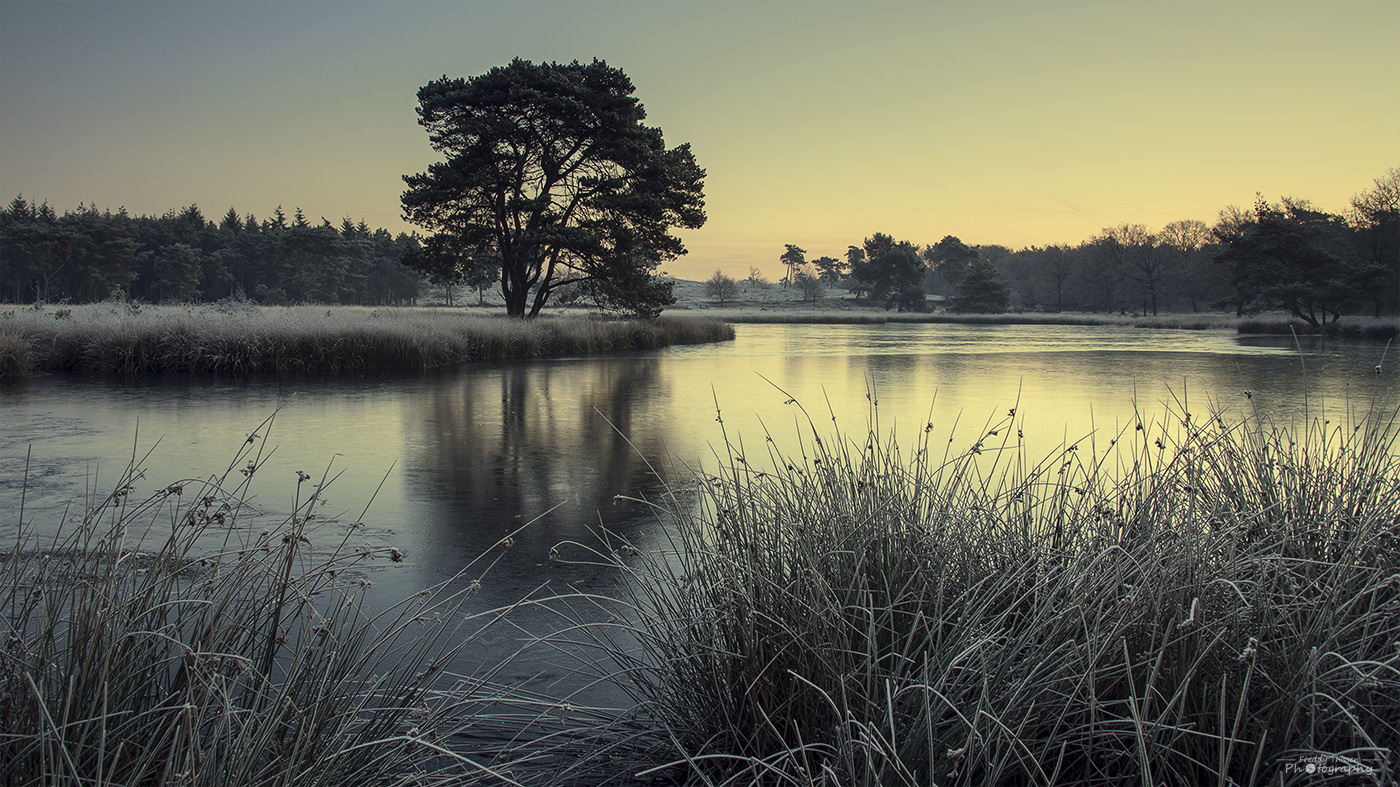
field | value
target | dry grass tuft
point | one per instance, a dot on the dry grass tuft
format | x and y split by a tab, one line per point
14	355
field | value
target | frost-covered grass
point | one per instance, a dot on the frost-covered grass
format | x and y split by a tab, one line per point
237	338
1193	602
170	638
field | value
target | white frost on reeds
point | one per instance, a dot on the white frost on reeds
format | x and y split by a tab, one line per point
238	338
168	638
1196	602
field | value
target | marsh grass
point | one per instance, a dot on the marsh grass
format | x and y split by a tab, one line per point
238	338
14	355
1351	328
174	640
1194	601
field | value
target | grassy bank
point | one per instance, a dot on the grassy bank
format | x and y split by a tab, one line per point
233	338
1379	328
1195	602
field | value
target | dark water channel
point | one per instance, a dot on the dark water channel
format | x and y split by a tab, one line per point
468	455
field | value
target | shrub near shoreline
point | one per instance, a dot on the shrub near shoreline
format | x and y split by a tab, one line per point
1196	602
238	338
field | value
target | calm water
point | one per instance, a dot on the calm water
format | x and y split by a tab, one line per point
468	455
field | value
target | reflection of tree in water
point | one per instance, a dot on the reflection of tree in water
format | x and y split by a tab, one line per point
505	444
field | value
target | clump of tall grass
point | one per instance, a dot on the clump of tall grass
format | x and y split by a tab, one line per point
1196	601
170	641
14	355
233	338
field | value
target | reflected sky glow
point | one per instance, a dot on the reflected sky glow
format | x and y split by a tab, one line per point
1065	382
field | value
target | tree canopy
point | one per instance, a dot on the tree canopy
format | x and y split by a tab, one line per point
550	170
794	257
830	270
890	271
1298	259
948	260
981	289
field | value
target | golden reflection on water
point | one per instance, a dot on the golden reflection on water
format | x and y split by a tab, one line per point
1063	382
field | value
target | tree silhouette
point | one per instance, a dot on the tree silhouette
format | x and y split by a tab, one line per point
982	290
1302	260
794	258
721	288
889	271
550	169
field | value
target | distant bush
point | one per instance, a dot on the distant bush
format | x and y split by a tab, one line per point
721	288
812	287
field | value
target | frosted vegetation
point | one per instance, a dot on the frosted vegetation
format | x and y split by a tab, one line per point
238	337
1192	601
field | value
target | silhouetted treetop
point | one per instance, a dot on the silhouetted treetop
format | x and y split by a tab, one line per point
889	271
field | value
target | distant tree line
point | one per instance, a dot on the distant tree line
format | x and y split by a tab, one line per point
898	274
1285	256
89	254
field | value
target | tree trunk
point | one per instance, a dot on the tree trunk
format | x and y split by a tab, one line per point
515	302
541	295
513	289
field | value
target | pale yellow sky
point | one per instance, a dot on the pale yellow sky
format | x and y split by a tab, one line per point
819	123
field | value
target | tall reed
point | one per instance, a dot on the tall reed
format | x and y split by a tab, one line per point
172	640
1193	601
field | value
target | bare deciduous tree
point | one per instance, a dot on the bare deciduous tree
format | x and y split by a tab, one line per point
721	288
